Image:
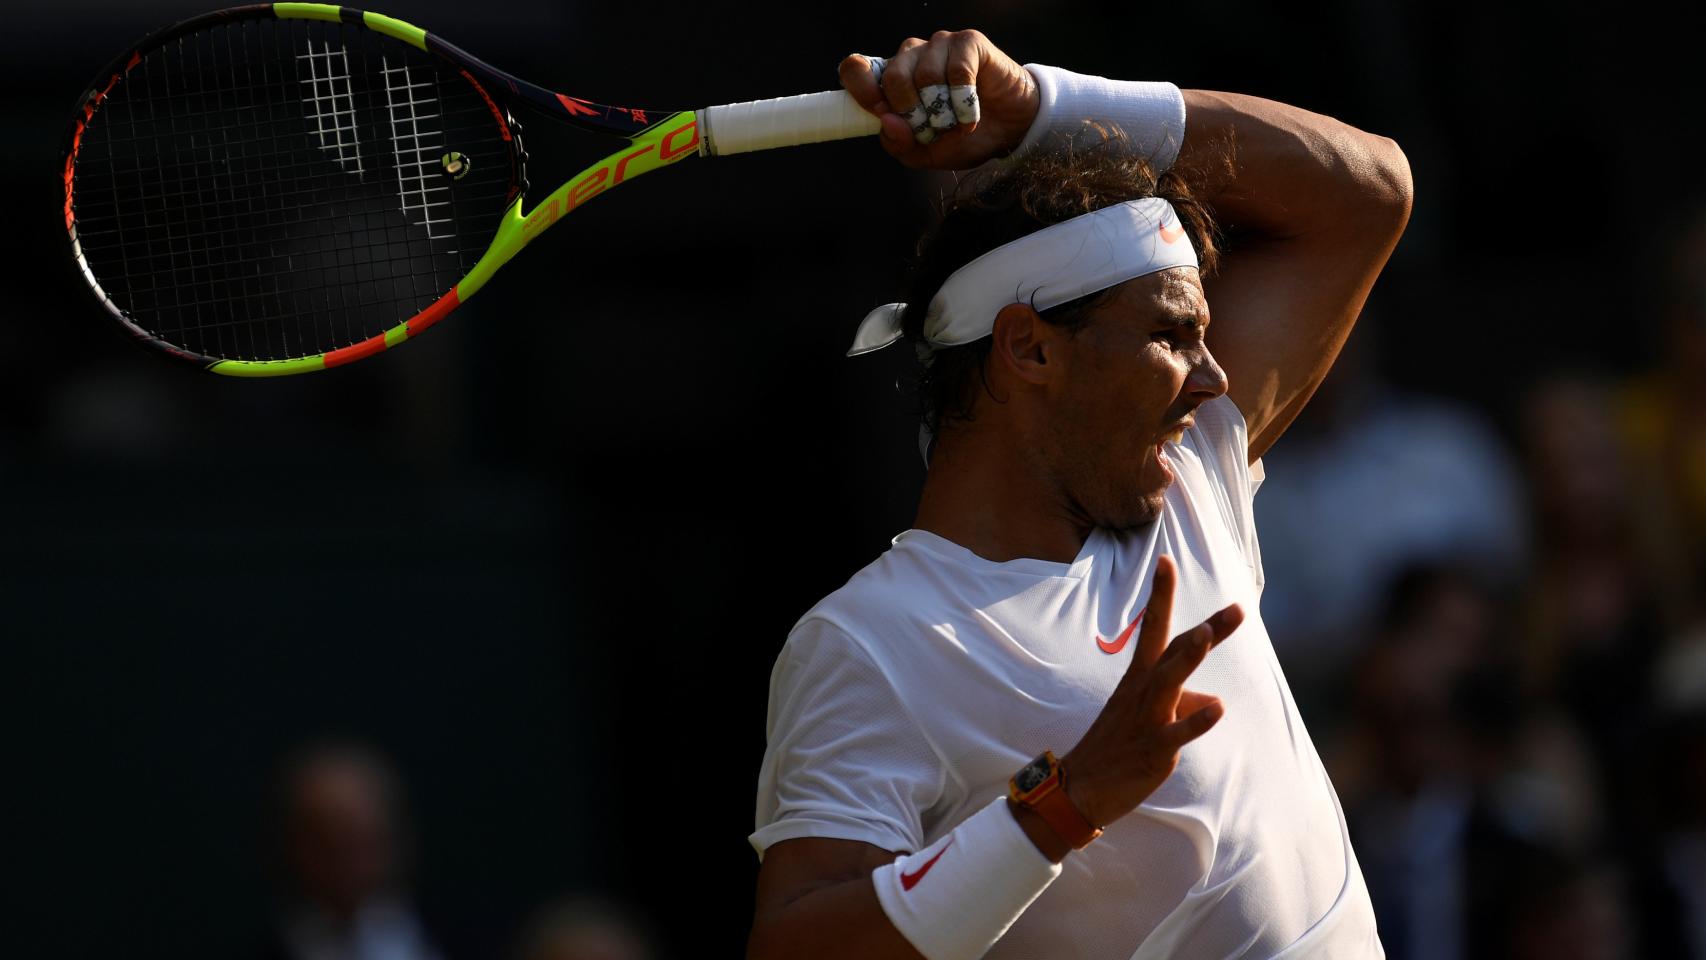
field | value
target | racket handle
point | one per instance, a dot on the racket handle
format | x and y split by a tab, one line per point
783	122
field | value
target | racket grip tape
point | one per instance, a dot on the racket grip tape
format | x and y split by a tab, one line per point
783	122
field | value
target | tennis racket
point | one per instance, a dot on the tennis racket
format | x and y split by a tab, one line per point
285	187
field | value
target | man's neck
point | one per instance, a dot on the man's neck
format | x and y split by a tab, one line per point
984	495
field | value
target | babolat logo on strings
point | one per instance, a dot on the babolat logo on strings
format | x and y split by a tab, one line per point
456	166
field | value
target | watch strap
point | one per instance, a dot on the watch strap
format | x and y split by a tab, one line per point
1049	800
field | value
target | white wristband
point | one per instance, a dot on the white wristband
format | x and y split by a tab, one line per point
955	898
1150	114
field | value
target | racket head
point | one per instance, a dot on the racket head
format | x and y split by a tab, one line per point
281	188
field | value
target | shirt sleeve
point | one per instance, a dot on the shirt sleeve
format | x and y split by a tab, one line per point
845	759
1222	441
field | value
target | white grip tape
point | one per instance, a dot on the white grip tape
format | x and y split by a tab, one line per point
783	122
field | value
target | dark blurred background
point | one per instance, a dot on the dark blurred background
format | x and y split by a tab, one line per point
472	641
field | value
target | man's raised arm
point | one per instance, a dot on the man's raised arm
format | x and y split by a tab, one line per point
1313	208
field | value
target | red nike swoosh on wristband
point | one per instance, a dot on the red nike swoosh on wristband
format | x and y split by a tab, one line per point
1119	641
910	880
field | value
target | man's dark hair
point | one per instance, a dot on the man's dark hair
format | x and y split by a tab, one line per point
1016	198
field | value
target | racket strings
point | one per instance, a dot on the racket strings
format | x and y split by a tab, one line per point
421	188
325	106
275	189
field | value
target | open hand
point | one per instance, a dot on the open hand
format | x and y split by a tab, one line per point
1134	743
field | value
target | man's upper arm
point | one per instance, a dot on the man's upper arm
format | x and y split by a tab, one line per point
1314	208
795	868
816	899
844	759
1282	311
846	778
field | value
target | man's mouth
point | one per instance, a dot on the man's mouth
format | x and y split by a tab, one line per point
1176	434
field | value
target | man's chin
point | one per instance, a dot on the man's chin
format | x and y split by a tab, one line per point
1139	515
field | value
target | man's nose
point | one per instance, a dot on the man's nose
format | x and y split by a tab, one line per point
1207	379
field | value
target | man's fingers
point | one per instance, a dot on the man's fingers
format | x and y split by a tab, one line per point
1226	620
860	76
1175	735
896	137
965	53
930	76
1216	628
1157	616
1183	656
1190	701
902	93
1166	681
865	78
938	108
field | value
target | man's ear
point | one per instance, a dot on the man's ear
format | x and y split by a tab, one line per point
1025	345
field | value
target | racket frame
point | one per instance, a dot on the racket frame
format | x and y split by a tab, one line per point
652	144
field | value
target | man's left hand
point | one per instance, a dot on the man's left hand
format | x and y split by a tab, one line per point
1007	95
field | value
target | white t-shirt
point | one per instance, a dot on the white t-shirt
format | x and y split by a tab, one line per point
903	702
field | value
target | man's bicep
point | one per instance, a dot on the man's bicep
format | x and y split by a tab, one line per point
1281	312
844	758
816	898
1313	212
795	868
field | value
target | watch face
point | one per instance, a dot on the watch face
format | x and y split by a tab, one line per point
1031	775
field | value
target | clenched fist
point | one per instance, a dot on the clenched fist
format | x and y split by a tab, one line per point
924	123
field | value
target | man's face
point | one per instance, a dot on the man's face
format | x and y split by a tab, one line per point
1131	375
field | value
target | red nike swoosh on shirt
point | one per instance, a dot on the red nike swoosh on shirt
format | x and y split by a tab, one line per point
910	880
1119	641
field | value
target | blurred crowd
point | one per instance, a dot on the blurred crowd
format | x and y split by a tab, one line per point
1496	630
343	877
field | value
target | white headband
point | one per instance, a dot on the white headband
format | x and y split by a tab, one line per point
1058	263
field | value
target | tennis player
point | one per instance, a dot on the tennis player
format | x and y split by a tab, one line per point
983	744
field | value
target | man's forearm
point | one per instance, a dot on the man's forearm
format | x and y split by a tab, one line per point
1291	172
1312	208
839	920
846	918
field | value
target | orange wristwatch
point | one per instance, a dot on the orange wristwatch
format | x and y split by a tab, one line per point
1041	786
